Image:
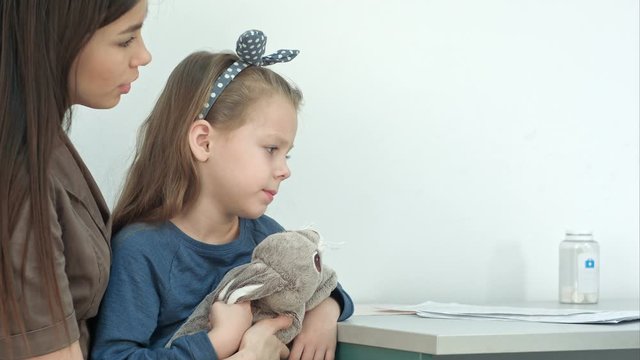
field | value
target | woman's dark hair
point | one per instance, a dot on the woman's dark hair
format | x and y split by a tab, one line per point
39	41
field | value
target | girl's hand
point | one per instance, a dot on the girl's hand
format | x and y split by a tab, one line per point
319	335
260	343
229	323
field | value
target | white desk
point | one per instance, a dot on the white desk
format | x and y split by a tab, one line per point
411	337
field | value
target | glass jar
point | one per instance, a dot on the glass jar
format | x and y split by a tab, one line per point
579	281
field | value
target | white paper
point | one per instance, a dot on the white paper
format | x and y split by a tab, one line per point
438	310
376	309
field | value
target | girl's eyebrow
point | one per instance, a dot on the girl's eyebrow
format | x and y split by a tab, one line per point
280	140
132	28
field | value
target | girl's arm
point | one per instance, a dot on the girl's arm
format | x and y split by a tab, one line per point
319	332
344	300
320	329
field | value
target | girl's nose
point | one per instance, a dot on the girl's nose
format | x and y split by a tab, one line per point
283	172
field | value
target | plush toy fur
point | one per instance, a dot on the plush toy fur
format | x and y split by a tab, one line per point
285	276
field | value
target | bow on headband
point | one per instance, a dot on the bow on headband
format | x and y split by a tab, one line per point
250	48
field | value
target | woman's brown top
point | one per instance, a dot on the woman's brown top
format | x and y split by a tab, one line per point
81	233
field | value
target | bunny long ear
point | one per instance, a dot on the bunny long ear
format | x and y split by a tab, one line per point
249	282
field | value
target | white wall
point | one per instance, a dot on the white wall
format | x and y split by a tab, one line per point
449	144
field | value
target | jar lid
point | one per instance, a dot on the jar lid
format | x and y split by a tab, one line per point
579	234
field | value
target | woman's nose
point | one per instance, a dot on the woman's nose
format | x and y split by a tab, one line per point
142	57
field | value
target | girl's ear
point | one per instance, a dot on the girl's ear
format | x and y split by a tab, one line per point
200	139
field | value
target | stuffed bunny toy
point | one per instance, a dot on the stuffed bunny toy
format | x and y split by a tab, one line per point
285	276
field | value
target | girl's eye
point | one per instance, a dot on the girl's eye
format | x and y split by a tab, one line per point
272	150
128	42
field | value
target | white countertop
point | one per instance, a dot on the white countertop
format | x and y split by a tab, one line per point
447	337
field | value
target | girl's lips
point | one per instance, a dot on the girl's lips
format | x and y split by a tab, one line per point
124	88
270	194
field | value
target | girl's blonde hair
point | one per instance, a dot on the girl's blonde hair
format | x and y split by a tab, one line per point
162	180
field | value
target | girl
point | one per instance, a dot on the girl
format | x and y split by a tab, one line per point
193	208
54	223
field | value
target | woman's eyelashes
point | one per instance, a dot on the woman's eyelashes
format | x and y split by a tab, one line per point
128	42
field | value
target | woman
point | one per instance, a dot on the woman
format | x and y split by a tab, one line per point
54	223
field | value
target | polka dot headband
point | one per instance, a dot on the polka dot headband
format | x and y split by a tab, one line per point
250	49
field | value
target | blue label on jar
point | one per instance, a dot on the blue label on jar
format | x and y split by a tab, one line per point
590	263
588	269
